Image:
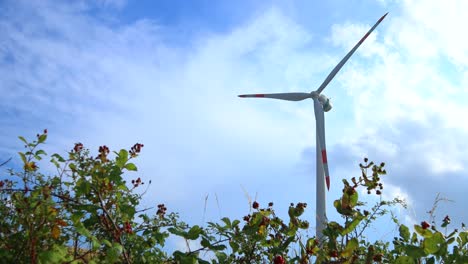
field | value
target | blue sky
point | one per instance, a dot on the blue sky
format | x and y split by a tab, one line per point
167	74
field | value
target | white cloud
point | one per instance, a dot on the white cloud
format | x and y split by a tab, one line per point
409	93
119	4
103	84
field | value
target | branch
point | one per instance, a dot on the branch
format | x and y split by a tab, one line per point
5	162
101	202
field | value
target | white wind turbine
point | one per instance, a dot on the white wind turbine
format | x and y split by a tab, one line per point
321	104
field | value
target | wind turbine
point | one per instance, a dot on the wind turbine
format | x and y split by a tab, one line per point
321	105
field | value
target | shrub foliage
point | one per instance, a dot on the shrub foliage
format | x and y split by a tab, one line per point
87	213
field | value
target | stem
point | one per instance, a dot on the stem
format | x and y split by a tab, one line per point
116	228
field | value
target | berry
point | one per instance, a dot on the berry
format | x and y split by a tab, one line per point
279	260
378	257
78	147
334	254
255	205
425	225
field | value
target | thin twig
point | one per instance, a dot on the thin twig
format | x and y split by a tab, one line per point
5	162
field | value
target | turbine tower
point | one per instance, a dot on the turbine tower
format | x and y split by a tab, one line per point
321	104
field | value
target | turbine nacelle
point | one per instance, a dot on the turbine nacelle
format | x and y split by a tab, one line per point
325	102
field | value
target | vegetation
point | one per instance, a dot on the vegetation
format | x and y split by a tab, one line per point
88	213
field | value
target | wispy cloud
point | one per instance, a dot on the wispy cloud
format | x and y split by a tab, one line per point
408	102
89	79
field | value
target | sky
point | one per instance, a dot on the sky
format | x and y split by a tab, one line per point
167	74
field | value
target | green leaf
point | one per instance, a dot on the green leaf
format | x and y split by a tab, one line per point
205	242
177	232
432	244
450	240
423	232
82	230
113	253
340	209
76	217
107	242
464	238
235	223
145	217
286	243
404	260
218	247
227	221
414	251
311	243
82	187
58	157
23	139
42	138
353	199
23	157
404	233
352	245
131	167
350	226
95	243
234	246
222	257
194	232
40	152
128	210
122	158
185	258
57	254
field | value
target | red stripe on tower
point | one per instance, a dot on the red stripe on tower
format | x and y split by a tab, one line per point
324	156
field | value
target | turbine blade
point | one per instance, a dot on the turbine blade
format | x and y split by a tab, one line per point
343	61
320	127
281	96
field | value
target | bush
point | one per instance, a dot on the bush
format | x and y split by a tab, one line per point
88	213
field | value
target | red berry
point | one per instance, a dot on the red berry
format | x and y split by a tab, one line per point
279	260
334	254
378	257
425	225
255	205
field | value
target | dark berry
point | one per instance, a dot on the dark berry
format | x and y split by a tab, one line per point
255	205
279	260
425	225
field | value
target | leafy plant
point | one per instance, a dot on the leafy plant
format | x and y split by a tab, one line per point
88	213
